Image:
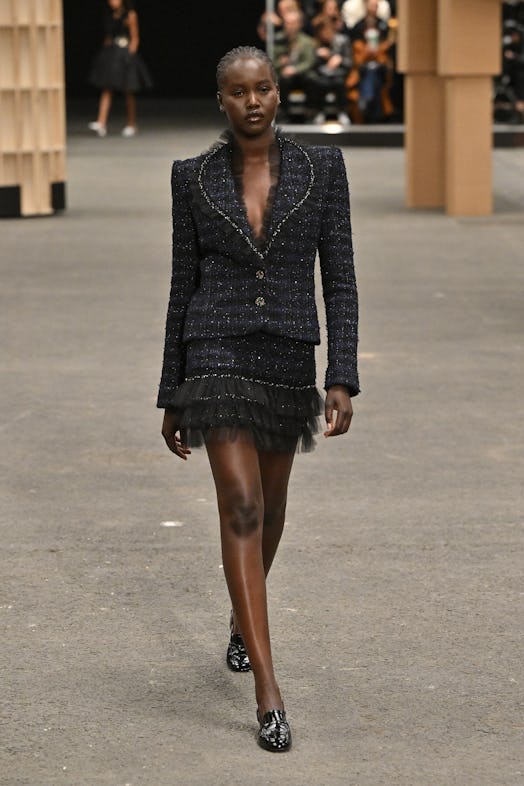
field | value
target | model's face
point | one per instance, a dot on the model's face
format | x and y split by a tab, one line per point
249	96
115	5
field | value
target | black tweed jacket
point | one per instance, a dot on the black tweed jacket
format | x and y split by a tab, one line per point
224	285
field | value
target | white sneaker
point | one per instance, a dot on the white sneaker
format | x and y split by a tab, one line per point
97	128
129	131
319	119
343	119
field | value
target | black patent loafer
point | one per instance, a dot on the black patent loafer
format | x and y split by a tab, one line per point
274	733
236	656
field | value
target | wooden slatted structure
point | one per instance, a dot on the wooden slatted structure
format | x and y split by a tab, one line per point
449	51
32	108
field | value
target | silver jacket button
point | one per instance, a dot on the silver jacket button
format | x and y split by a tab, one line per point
259	301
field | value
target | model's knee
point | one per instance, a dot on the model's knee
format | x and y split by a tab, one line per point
242	516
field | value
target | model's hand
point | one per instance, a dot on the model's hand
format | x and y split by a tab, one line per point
169	432
338	400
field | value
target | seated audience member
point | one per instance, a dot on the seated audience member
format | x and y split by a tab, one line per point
513	66
331	10
370	78
276	21
354	11
294	56
396	88
331	69
309	8
283	7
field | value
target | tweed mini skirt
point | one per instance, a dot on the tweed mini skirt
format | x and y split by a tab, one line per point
260	386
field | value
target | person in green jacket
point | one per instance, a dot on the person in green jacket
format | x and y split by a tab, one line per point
294	58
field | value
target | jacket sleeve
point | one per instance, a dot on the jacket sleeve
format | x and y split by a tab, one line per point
338	279
184	281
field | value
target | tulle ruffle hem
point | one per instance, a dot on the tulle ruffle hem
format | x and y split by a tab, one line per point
223	407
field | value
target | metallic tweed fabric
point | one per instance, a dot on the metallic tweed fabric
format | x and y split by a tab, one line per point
262	384
226	284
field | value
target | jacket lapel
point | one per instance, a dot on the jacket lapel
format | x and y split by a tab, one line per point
217	187
294	186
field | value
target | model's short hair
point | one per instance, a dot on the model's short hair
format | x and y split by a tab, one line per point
243	53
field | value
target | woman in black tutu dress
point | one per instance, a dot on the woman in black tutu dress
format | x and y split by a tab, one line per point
239	358
118	66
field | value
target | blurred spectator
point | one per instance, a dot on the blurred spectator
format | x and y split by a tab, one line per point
353	11
309	8
370	79
396	89
513	10
508	100
276	21
283	7
295	56
513	59
333	61
331	10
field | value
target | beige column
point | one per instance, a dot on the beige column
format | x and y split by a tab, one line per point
32	108
469	36
423	103
449	51
468	158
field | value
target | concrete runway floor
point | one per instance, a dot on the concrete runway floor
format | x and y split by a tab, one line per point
396	600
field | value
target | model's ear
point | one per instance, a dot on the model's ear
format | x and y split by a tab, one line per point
219	100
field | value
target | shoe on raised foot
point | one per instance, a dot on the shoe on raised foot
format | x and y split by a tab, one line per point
129	131
236	656
274	733
99	129
343	119
319	119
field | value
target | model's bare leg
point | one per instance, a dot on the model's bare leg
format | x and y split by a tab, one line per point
131	109
236	471
275	469
106	98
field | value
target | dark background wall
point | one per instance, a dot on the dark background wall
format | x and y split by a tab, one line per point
181	41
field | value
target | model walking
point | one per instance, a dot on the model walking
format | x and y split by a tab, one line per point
239	359
118	66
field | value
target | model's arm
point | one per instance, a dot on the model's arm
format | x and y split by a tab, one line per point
338	280
134	34
184	281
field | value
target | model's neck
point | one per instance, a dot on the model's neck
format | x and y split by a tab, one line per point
255	147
